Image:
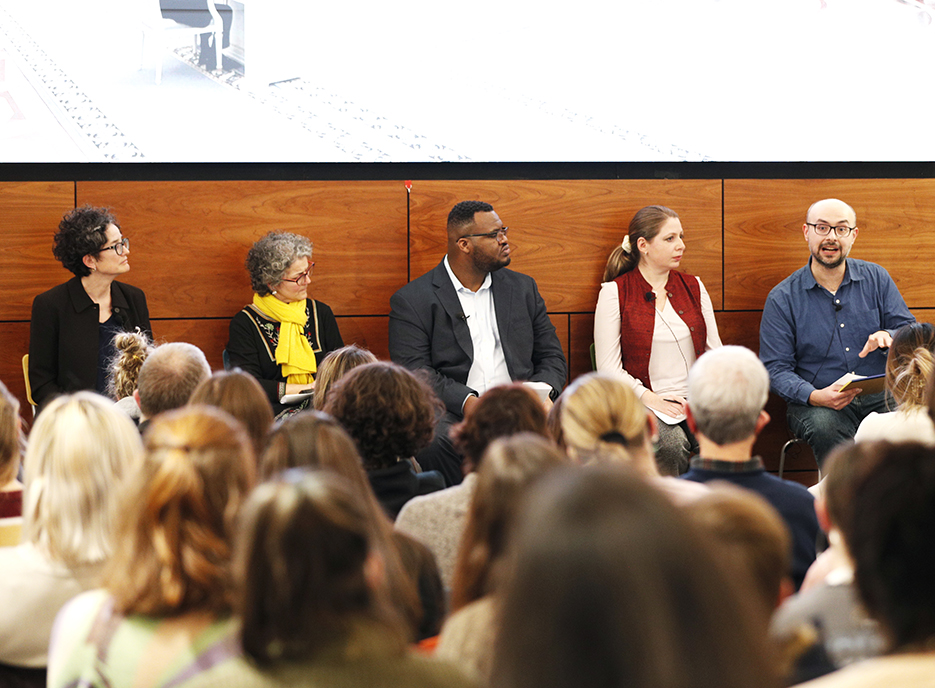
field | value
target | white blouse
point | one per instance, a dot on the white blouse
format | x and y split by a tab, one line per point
672	352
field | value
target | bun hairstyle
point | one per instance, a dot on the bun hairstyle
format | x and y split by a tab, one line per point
602	417
910	363
645	225
133	348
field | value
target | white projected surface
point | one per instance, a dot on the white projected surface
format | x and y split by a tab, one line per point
487	81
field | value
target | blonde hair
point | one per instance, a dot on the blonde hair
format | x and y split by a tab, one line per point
11	436
78	453
335	366
174	546
133	348
909	364
602	416
645	224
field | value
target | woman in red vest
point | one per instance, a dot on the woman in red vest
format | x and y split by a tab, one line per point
650	325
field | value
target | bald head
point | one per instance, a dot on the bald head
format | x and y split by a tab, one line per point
831	211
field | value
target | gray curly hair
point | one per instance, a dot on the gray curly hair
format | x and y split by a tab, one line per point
270	257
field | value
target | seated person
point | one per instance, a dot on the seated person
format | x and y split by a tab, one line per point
727	390
437	519
311	598
164	610
79	450
284	334
390	414
909	367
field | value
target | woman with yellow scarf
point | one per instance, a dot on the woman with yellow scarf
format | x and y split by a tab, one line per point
283	335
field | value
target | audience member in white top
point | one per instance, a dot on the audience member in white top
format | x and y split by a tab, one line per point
78	453
909	367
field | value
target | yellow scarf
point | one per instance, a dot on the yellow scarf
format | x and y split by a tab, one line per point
293	352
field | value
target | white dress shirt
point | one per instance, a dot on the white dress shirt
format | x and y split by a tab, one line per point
488	369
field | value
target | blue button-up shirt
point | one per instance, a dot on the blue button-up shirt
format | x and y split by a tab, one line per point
809	337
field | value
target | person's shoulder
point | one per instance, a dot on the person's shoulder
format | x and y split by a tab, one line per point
423	281
795	280
56	294
323	308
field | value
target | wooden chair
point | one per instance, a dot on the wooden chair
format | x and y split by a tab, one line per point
29	398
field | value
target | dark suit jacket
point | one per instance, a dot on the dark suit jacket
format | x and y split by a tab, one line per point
427	332
64	332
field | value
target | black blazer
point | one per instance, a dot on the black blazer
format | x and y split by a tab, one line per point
427	332
64	332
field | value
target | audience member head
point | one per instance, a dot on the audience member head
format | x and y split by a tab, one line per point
727	390
645	225
81	232
510	466
608	584
335	366
751	536
133	348
270	258
501	411
175	538
389	412
909	364
169	376
843	470
461	217
553	421
891	542
418	563
312	439
307	569
240	395
79	452
602	417
11	437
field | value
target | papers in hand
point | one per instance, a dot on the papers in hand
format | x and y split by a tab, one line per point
290	399
542	390
868	384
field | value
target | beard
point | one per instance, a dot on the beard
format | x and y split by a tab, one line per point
830	264
490	263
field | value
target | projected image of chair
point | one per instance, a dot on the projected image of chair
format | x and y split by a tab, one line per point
165	34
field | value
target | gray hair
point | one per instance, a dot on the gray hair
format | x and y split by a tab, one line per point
270	258
727	389
169	376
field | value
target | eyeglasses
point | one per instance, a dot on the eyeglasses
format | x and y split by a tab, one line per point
119	248
822	229
496	234
302	275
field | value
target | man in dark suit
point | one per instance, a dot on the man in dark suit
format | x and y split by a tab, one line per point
470	325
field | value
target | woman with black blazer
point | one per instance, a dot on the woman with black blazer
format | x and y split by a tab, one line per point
73	325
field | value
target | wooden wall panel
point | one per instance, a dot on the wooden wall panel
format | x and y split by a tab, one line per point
29	217
562	231
582	336
190	239
763	241
14	343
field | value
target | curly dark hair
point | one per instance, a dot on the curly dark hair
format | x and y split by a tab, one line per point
388	411
501	411
80	233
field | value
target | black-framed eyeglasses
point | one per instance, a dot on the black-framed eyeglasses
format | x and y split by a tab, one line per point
119	248
302	275
824	229
496	234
